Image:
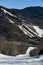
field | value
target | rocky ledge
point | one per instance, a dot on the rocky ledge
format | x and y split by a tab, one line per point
16	48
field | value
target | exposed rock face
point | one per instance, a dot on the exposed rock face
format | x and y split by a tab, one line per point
34	52
12	48
41	43
39	48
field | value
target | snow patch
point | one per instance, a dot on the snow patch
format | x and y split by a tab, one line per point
30	30
9	20
30	49
25	31
20	26
39	31
22	59
8	12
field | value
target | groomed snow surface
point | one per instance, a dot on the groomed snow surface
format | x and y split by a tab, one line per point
22	59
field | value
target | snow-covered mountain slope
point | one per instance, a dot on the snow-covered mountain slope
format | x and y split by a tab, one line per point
14	16
14	28
29	30
6	12
39	30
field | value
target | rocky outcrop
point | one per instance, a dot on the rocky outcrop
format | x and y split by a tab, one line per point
39	49
34	52
12	48
41	43
16	48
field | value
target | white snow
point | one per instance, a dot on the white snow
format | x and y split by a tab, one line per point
8	12
20	26
25	31
30	30
20	60
30	49
10	20
5	56
38	30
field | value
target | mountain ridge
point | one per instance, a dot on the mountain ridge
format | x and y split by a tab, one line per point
30	14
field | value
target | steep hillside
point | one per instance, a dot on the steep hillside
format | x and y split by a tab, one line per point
30	14
20	29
